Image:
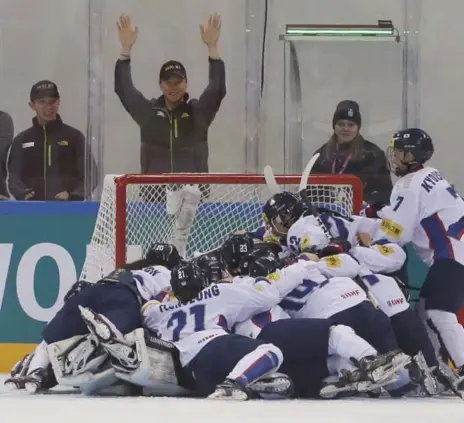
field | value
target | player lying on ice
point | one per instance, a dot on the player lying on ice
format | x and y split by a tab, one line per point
312	348
67	344
81	366
332	295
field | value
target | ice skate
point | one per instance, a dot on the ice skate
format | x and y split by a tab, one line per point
352	383
276	384
383	366
230	390
422	375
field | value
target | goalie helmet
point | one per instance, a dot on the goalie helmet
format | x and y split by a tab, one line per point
281	211
414	141
234	249
187	281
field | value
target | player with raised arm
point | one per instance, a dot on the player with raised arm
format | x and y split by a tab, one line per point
426	211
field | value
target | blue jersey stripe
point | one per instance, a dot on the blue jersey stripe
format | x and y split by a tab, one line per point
439	240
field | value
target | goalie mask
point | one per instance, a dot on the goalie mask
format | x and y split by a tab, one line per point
281	211
187	281
409	149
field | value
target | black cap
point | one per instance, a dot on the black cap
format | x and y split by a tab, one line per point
347	110
44	89
172	69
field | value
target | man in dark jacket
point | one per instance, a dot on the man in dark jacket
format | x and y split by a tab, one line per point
174	128
48	160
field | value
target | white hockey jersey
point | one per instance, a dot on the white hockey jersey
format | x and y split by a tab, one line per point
385	257
213	312
425	210
153	281
320	295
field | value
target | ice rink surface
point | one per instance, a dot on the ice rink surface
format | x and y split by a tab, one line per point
70	408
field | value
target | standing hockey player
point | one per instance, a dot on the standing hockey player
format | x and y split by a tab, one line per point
426	211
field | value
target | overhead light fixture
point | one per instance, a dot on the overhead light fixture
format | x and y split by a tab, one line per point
384	28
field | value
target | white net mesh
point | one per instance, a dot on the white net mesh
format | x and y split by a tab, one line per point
196	217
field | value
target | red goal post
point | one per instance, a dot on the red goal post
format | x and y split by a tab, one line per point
194	211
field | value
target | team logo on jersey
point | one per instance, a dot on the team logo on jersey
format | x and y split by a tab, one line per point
391	228
333	261
306	243
384	250
273	276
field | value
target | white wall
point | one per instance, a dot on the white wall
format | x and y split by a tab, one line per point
48	39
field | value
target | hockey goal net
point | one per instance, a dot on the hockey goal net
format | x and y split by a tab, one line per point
196	212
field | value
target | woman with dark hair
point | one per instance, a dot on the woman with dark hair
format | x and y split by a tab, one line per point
347	152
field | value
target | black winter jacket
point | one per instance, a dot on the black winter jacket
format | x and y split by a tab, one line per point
370	167
172	140
48	159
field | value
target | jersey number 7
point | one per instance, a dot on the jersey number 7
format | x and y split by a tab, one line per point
180	317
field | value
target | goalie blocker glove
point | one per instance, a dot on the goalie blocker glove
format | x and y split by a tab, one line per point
164	255
336	246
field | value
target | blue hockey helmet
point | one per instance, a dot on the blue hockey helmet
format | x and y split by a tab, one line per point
281	211
414	141
187	281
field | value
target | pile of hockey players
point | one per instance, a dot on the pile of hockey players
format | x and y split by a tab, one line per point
311	305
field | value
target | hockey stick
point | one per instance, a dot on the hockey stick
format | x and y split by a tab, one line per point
271	181
304	195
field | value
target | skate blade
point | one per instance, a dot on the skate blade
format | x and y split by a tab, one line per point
332	391
271	386
95	325
11	386
384	372
31	387
229	395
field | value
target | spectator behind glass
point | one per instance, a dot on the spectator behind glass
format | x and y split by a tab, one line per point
47	161
173	127
6	138
347	152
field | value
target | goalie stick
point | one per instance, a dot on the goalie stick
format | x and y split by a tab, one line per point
274	188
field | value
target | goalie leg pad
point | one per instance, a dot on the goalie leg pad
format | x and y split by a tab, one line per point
76	360
157	368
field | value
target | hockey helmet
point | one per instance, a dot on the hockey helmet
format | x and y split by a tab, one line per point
213	266
414	141
235	248
187	281
281	211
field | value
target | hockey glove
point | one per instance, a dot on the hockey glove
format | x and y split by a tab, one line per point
336	246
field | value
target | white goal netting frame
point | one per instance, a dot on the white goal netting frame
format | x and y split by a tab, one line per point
196	212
